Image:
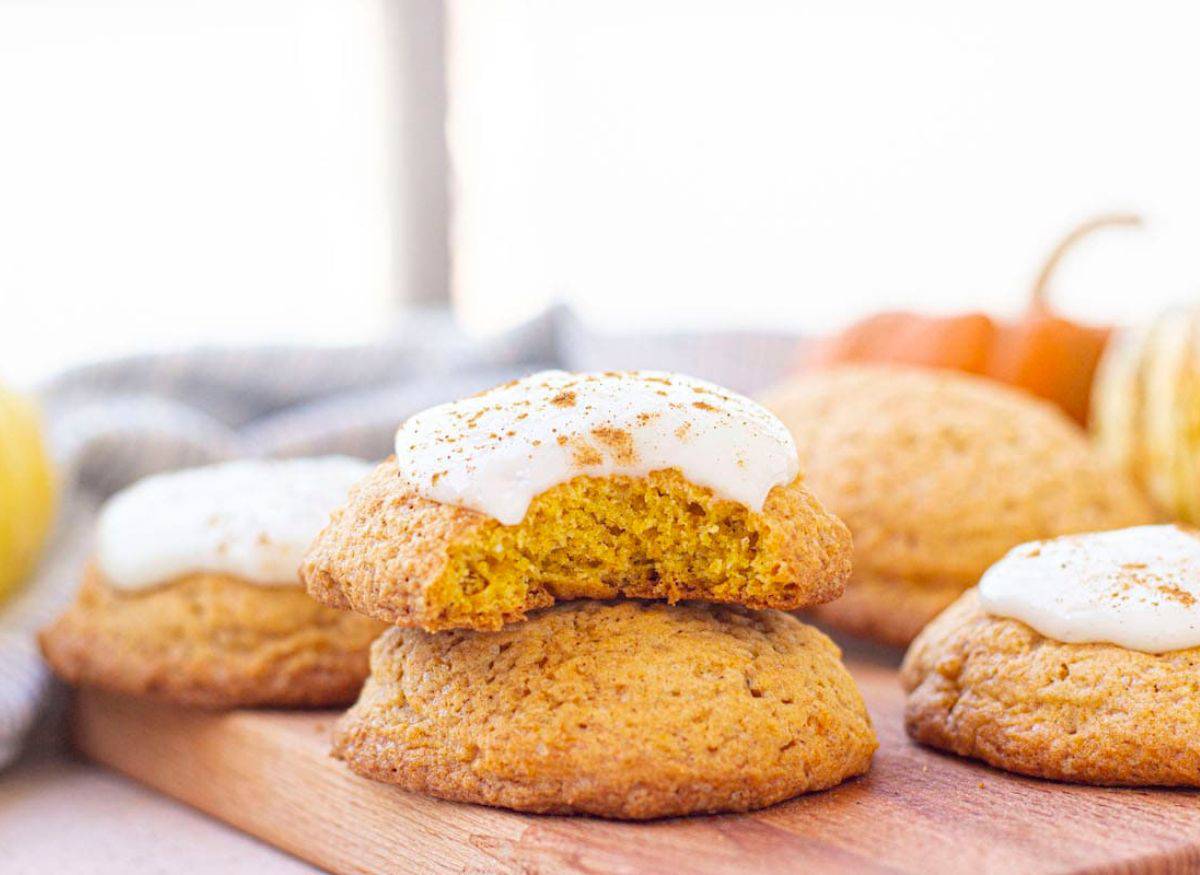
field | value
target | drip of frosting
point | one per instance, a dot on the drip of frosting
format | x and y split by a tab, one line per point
496	451
1138	588
252	519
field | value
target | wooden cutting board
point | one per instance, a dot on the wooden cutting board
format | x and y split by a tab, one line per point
269	773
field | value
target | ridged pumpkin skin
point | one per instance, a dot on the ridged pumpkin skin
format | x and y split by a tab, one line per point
1146	410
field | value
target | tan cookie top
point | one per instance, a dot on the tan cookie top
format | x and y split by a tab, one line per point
938	474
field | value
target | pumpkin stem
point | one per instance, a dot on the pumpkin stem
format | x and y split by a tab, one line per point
1038	297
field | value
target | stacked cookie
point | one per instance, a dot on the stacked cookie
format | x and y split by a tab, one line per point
585	575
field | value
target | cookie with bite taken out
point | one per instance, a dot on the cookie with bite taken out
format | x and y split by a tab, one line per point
565	486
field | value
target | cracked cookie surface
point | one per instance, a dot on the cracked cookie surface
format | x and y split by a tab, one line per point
995	690
211	640
938	475
619	709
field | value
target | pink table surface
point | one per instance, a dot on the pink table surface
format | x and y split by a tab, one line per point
62	815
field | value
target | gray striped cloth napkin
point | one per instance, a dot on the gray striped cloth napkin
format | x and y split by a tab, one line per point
114	422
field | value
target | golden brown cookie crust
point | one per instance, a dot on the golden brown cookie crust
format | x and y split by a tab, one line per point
994	689
384	553
887	610
213	641
938	475
619	709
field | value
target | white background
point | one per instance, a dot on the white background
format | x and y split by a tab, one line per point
175	171
692	161
181	170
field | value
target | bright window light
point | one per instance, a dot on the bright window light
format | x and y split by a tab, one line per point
717	163
186	171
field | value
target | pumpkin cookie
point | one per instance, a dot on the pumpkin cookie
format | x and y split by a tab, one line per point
566	486
1115	704
938	474
211	640
627	709
193	595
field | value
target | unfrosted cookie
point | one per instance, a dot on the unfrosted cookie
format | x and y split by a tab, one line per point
620	709
193	594
569	486
938	474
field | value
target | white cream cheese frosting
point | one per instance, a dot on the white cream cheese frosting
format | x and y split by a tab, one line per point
1138	588
496	451
252	519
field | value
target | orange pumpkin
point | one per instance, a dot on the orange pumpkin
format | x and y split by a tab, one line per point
1041	352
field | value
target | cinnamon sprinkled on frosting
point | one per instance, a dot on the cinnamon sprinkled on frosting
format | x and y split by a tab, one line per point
252	518
1137	587
496	451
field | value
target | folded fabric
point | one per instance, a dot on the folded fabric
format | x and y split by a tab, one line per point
113	422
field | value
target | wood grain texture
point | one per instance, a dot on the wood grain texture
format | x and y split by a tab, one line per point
269	773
